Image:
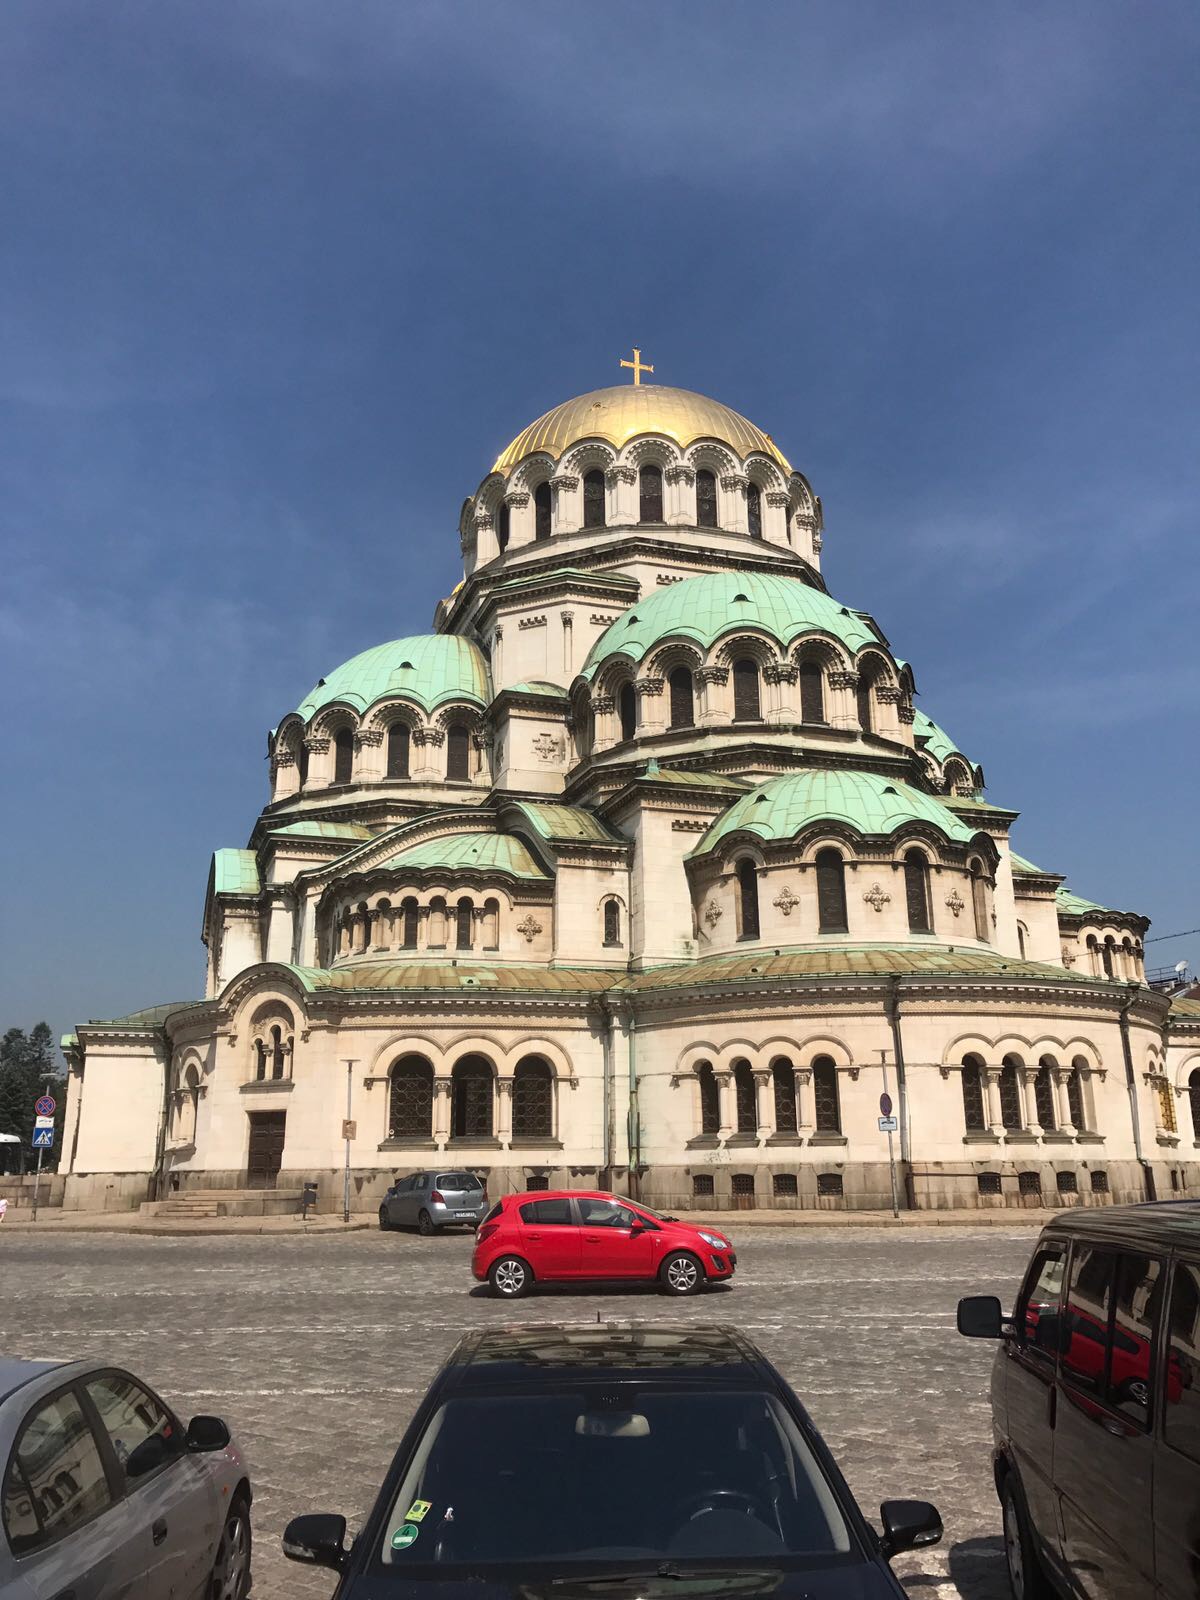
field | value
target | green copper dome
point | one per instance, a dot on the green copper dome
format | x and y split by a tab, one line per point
478	852
428	668
865	801
703	609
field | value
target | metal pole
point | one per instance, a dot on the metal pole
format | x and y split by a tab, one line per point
350	1066
37	1182
891	1145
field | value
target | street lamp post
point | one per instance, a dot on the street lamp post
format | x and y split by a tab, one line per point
350	1066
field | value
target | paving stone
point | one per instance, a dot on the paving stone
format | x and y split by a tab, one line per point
316	1351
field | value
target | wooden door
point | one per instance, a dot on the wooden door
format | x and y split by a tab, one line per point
266	1148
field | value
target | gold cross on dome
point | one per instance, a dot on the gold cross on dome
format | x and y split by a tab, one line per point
639	366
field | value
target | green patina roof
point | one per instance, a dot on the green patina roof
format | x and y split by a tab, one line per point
235	872
428	668
703	609
865	801
692	780
538	686
1024	868
567	823
532	580
1074	905
152	1017
1186	1008
466	975
313	829
481	852
938	742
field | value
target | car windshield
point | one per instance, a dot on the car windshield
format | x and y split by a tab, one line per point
458	1182
627	1475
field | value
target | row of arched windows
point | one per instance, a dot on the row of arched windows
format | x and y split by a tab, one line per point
1114	960
399	740
827	1101
650	504
383	926
831	894
472	1099
1012	1101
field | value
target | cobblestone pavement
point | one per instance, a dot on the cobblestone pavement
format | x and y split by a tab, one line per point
317	1350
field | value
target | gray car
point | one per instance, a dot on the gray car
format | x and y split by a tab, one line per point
106	1494
432	1200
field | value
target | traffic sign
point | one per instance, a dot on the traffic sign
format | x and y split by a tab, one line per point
43	1138
889	1125
349	1128
885	1105
43	1122
45	1105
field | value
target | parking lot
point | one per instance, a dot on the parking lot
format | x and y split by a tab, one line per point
317	1349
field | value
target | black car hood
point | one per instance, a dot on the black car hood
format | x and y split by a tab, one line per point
866	1580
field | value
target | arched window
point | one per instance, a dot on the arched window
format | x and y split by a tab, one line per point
972	1093
1093	950
744	1099
916	891
754	511
1075	1097
503	523
825	1095
865	697
812	692
303	760
408	910
650	494
783	1082
533	1099
706	499
463	916
747	899
541	511
1194	1102
746	703
458	753
979	902
436	923
491	924
612	922
710	1098
343	756
679	684
1022	935
831	892
593	499
278	1053
410	1099
1010	1093
627	710
1043	1094
397	750
261	1057
1106	955
471	1099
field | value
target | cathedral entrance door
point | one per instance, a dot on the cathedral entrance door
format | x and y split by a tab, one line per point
266	1148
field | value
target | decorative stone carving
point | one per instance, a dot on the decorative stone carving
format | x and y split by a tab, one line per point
688	825
650	686
777	497
602	704
887	694
680	473
712	913
518	500
371	736
716	675
665	578
841	679
483	519
1068	956
780	672
907	714
530	928
567	618
317	744
877	897
532	622
622	474
433	736
734	480
786	901
956	902
564	480
547	748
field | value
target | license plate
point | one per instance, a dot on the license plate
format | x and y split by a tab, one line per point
466	1216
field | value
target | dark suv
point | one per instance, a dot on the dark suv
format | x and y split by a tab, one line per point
621	1461
1096	1406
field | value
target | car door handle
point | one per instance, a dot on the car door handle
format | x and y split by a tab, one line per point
533	1236
158	1530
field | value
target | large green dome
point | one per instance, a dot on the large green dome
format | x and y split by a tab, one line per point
703	609
868	802
428	668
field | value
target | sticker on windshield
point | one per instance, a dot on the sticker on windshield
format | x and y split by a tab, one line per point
418	1511
405	1536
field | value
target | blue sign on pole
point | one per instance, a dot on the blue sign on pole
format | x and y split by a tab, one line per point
43	1138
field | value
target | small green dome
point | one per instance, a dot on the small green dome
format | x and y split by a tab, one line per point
477	852
703	609
865	801
428	668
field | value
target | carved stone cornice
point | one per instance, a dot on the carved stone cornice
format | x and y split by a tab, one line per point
602	704
780	672
680	472
565	480
532	622
907	714
518	500
777	497
649	686
483	519
733	481
317	744
615	475
887	694
434	736
369	736
840	679
712	675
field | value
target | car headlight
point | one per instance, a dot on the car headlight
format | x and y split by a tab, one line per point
715	1240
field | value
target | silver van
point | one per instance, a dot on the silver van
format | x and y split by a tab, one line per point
430	1201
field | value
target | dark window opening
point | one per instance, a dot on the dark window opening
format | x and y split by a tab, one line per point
410	1106
829	1184
397	750
343	756
825	1093
702	1184
1075	1099
865	698
463	919
784	1080
710	1098
744	1097
541	511
979	903
1010	1097
812	692
916	892
627	710
1043	1094
536	1183
458	754
1066	1183
754	511
679	684
746	699
650	494
409	910
593	500
706	500
471	1099
1099	1182
533	1100
831	892
612	922
1029	1183
972	1093
784	1186
747	886
988	1183
503	523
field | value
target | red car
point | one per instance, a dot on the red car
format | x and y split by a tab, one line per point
566	1235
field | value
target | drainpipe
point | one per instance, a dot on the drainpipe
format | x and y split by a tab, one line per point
901	1088
158	1181
1131	1087
606	1045
635	1116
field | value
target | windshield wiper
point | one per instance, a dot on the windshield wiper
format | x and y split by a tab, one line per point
671	1571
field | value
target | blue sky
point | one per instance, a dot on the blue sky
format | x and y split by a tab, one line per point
278	278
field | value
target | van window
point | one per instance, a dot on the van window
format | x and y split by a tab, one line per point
1181	1413
1038	1308
1085	1341
1111	1311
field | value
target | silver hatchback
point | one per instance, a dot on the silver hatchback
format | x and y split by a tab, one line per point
430	1201
104	1493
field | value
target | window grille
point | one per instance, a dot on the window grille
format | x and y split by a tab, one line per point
989	1183
972	1092
706	500
825	1093
1066	1183
710	1098
1010	1096
1029	1183
1043	1094
612	922
1075	1098
533	1101
410	1107
1099	1181
593	500
831	892
829	1184
812	692
785	1098
746	699
537	1183
397	750
743	1186
471	1100
650	494
1194	1102
743	1088
702	1184
784	1186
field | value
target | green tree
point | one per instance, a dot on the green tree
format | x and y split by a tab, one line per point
27	1064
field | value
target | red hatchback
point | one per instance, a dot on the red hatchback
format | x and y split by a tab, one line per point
566	1235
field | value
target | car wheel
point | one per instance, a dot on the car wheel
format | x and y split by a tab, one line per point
510	1278
230	1578
383	1219
1025	1575
681	1273
425	1225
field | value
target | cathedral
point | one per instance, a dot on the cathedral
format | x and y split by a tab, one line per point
643	871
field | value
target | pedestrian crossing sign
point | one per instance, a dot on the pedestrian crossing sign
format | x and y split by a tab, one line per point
43	1138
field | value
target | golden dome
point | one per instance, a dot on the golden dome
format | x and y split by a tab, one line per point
620	413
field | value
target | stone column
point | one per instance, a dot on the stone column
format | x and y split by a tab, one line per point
725	1092
504	1090
711	682
764	1104
780	678
622	505
805	1113
679	495
567	509
733	503
568	643
650	705
991	1086
842	710
1029	1083
520	518
1061	1079
486	544
443	1089
775	529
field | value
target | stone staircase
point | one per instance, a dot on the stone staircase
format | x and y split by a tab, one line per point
192	1204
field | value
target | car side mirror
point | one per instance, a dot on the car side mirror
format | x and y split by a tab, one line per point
318	1539
908	1525
637	1227
980	1317
207	1433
